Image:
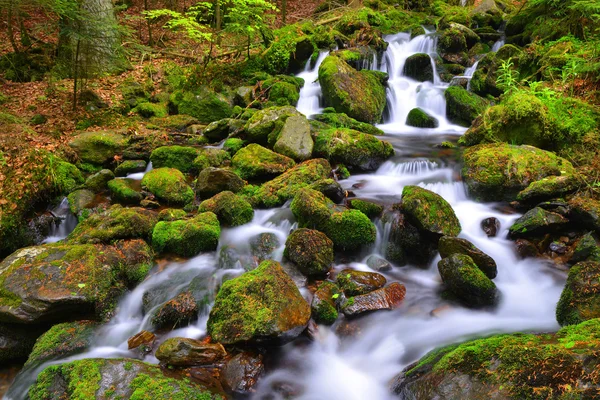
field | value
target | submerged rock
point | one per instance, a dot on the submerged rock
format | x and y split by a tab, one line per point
354	283
490	226
466	281
187	352
580	299
263	305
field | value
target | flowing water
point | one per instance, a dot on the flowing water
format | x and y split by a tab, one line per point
138	176
357	359
68	222
309	102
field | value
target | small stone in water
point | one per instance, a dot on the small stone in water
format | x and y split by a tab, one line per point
378	264
490	226
526	249
242	371
558	247
386	298
144	337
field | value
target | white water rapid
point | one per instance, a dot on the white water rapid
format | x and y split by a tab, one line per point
67	222
309	102
138	176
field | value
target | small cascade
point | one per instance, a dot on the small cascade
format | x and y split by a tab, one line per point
139	175
67	222
309	102
501	42
468	75
416	167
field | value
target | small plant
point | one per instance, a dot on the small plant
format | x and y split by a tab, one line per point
507	77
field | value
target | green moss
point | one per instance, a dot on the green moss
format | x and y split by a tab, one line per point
122	191
350	229
284	94
178	157
148	110
169	185
98	147
210	157
61	340
171	214
66	177
265	125
206	106
420	119
233	145
257	162
187	237
370	209
463	106
145	387
323	307
580	299
429	211
311	208
231	210
341	120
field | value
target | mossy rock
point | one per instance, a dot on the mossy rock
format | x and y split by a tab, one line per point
171	214
369	208
180	311
168	185
113	224
149	110
101	378
67	177
17	341
263	305
178	157
580	299
429	211
536	222
212	181
466	281
331	189
452	245
62	340
284	94
549	188
123	191
420	119
233	145
265	126
323	306
352	148
354	283
130	167
255	162
418	67
80	200
586	249
462	106
311	208
294	139
231	210
97	182
210	157
183	352
219	130
500	171
586	212
310	250
526	366
206	106
188	237
276	192
60	282
359	94
341	120
350	230
98	147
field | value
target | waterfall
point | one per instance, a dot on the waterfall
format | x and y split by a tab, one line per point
67	222
309	102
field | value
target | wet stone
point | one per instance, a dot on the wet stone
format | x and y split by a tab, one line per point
242	372
359	282
526	249
186	352
139	339
386	298
378	264
490	226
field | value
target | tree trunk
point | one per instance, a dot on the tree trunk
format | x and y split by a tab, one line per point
10	32
283	11
150	41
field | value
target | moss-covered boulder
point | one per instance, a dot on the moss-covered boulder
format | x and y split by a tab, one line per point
586	212
66	177
359	94
586	249
526	366
354	283
386	298
452	245
466	281
130	167
60	282
168	185
310	250
187	352
500	171
277	191
98	147
462	106
219	130
580	299
101	378
258	163
341	120
549	188
418	67
17	341
429	211
231	210
311	208
294	139
212	181
187	237
123	190
97	182
62	340
265	126
537	222
180	311
331	189
113	224
233	145
354	149
369	208
420	119
323	306
178	157
80	200
205	106
210	157
263	305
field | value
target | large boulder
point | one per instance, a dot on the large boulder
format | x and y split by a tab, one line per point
97	182
256	162
536	222
17	341
123	190
466	281
525	366
586	212
168	185
263	305
212	181
230	209
549	188
462	106
418	67
265	126
58	282
407	243
352	148
115	223
187	237
294	140
187	352
429	211
310	250
359	94
341	120
100	378
580	299
204	105
500	171
420	119
98	147
452	245
178	157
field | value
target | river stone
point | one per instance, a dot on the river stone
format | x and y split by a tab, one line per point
168	185
386	298
241	372
186	352
178	312
16	341
378	264
586	249
130	167
310	250
466	281
420	119
97	182
230	209
257	162
99	378
123	190
331	189
353	282
62	340
490	226
452	245
295	140
58	282
98	147
580	299
187	237
586	212
263	245
418	67
429	211
548	188
526	249
323	306
407	243
536	222
264	126
80	200
115	223
212	181
367	207
463	106
263	305
144	338
217	130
